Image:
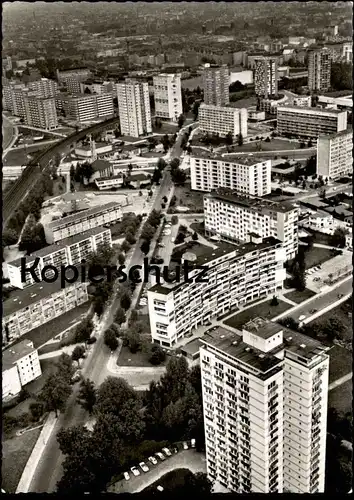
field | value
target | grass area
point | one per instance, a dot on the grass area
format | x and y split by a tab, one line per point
321	238
15	454
43	333
22	407
341	313
317	256
187	198
198	227
139	359
48	367
144	318
59	188
49	348
264	309
174	479
166	128
340	363
299	297
341	397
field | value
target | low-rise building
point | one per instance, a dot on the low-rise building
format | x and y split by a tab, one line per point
69	251
38	304
335	155
302	101
255	115
222	120
235	218
20	365
240	173
270	105
83	221
234	276
310	122
345	102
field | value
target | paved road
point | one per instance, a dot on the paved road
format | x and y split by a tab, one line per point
292	153
10	134
49	469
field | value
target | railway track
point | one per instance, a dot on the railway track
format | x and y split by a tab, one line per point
39	164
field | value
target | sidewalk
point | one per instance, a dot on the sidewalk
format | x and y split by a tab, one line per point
340	381
32	463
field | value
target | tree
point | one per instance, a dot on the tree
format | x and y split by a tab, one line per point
161	164
145	247
78	353
9	237
333	328
125	246
55	393
274	301
101	258
174	163
157	355
87	395
175	378
71	439
174	219
195	109
37	410
83	330
65	367
240	139
110	339
125	301
120	316
195	236
229	139
165	141
132	340
112	394
338	237
156	176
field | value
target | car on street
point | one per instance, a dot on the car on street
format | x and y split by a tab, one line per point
144	467
302	317
166	452
161	245
126	476
313	311
135	471
159	488
152	460
185	445
91	340
340	295
160	455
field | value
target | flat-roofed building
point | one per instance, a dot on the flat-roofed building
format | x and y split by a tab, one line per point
29	308
222	120
266	76
168	96
265	408
335	155
44	87
240	173
69	251
40	112
134	108
235	218
310	122
83	221
85	107
234	276
20	365
216	81
319	68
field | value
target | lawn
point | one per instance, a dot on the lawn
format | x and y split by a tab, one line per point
174	479
15	454
321	238
341	397
48	367
299	297
317	256
43	333
273	145
49	348
187	198
340	363
145	319
139	359
166	128
341	313
264	310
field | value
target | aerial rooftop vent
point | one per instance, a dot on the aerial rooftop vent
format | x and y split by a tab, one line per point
302	346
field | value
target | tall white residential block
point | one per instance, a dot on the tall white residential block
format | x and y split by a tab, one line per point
134	108
168	96
335	155
222	120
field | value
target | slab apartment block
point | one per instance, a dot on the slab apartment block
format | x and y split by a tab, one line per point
335	155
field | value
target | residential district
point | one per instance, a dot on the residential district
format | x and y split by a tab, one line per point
214	135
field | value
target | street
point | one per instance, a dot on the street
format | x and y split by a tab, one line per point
49	469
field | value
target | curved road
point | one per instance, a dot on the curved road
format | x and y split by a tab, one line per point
9	133
49	469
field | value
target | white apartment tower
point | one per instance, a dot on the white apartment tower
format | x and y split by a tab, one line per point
216	81
134	108
40	112
235	218
335	155
265	408
319	68
266	76
168	96
222	120
243	174
44	87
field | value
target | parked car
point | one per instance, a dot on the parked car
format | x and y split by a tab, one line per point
159	488
340	295
161	245
167	452
152	460
126	476
193	443
160	455
313	311
185	445
302	317
135	471
144	467
175	450
91	340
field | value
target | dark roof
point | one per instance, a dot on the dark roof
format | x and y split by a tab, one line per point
99	165
313	110
14	353
83	214
258	204
232	158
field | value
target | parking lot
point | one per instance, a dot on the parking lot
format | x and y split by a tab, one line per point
318	276
189	459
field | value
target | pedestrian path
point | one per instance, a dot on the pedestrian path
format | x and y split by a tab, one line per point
340	381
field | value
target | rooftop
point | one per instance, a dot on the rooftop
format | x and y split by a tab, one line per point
83	214
309	111
262	327
237	159
99	165
258	204
14	353
20	299
336	134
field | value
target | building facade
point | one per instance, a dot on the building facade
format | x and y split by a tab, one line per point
35	306
44	87
134	108
70	251
85	107
335	155
168	96
83	221
235	276
20	366
234	218
319	68
222	120
266	76
265	409
40	112
243	174
216	81
310	122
